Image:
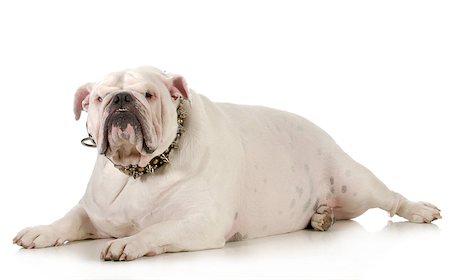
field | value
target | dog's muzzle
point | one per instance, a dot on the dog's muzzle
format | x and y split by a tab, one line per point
122	111
124	122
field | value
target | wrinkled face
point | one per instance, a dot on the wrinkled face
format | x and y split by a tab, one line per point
132	114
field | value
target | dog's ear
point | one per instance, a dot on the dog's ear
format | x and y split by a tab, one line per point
178	87
81	101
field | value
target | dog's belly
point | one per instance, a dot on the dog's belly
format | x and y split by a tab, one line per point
288	162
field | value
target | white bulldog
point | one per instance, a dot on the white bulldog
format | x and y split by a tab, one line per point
177	172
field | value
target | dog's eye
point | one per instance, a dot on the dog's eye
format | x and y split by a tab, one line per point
99	99
148	94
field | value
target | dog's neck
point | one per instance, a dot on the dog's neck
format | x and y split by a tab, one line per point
157	162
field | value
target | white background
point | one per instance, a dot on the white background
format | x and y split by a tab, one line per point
374	75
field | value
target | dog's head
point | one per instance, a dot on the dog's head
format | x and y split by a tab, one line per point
132	114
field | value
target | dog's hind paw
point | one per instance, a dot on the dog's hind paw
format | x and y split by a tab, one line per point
323	219
419	212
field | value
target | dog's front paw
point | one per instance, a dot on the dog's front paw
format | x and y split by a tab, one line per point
419	212
38	237
128	249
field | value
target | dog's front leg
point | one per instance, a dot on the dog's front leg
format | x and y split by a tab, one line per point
194	232
75	225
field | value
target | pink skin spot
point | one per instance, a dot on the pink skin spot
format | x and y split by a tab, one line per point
118	136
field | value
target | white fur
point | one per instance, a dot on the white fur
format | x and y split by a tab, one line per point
240	172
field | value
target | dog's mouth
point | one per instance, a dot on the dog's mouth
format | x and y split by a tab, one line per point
125	139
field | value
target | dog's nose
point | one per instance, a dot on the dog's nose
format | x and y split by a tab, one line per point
122	98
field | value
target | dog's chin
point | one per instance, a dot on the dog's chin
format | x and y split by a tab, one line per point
123	152
126	157
125	143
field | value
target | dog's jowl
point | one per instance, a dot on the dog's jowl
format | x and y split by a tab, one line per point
177	172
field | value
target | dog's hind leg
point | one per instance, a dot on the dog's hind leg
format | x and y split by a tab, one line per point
354	190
